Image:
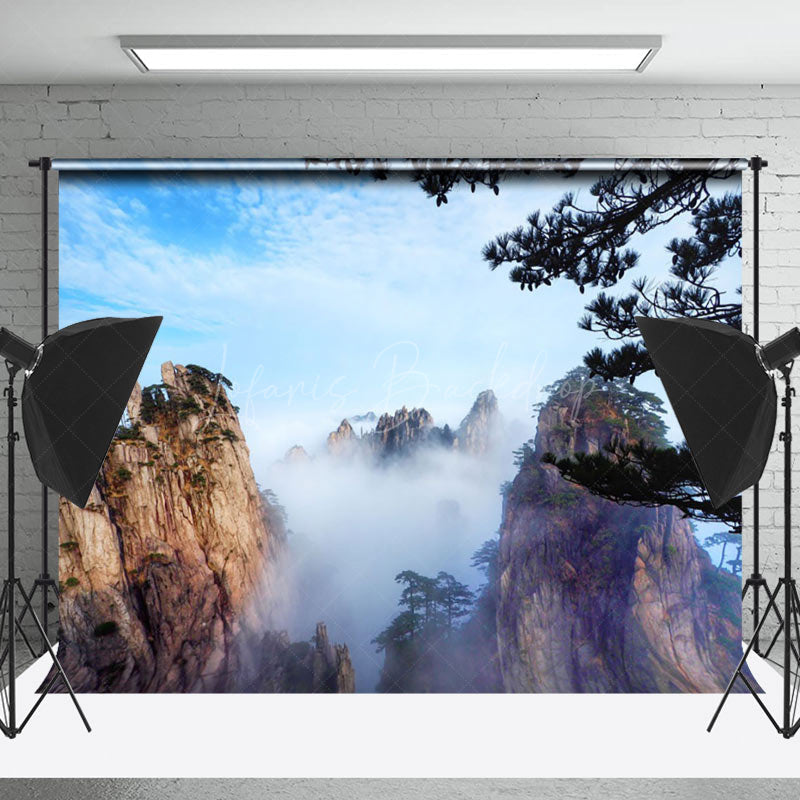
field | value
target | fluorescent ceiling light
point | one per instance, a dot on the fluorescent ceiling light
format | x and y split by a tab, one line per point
517	54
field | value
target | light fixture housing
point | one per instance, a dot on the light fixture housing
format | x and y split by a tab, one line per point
77	384
718	382
390	54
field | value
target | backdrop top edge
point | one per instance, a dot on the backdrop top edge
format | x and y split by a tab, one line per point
394	164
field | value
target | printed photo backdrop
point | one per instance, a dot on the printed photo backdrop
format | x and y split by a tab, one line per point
397	429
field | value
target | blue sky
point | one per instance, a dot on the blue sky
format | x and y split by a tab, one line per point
322	296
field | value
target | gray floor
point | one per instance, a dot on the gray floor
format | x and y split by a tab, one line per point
439	789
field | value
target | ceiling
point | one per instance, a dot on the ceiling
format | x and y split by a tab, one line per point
704	41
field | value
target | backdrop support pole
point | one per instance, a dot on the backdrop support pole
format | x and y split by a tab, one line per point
45	582
9	589
788	595
756	581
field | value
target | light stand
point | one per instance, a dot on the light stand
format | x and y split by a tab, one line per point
791	602
723	394
77	383
10	623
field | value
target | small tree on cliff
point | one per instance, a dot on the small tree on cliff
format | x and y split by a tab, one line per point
485	558
401	629
724	540
454	598
640	467
430	606
415	600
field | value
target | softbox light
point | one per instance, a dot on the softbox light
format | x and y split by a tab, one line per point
722	394
77	384
74	395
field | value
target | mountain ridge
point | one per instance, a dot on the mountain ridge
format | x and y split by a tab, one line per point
404	431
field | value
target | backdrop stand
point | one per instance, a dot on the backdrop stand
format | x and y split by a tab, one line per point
756	581
45	583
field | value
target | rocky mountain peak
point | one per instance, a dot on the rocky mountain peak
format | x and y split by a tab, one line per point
343	440
395	433
477	429
296	454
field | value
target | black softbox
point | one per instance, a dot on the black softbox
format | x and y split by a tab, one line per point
75	394
722	394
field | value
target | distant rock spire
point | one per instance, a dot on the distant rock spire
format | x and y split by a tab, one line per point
296	454
343	440
476	432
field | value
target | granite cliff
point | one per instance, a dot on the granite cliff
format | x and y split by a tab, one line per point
170	576
599	597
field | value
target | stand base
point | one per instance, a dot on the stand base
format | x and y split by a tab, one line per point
789	706
8	726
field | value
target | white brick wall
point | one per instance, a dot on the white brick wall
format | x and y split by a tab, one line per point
457	119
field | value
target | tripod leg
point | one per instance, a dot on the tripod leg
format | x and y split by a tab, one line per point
39	700
26	605
795	693
752	690
3	601
4	607
774	640
793	643
796	688
796	598
738	671
4	687
45	584
57	663
780	627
